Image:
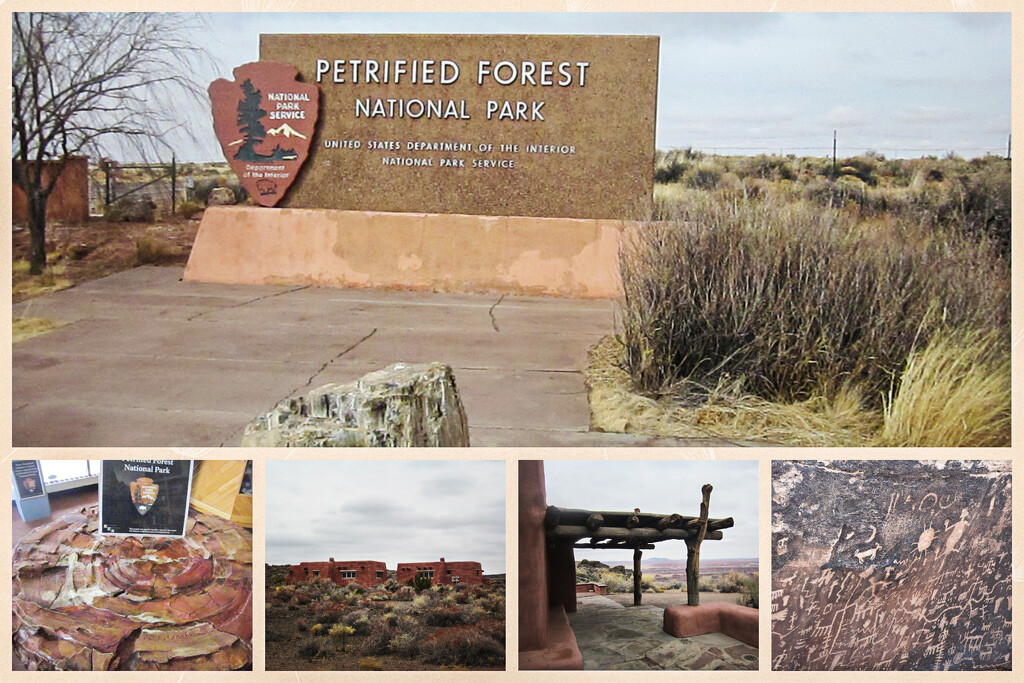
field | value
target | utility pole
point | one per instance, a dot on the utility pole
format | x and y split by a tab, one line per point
1009	137
833	153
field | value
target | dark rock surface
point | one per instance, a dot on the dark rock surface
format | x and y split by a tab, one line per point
891	565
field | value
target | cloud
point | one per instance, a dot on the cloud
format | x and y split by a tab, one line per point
845	117
392	511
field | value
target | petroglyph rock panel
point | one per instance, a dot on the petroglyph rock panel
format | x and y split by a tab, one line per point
891	565
403	405
88	602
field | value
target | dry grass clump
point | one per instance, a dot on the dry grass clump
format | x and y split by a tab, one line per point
956	392
616	407
26	286
26	328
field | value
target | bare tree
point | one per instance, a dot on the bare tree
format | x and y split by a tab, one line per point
86	82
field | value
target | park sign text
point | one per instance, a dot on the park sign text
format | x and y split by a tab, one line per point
512	125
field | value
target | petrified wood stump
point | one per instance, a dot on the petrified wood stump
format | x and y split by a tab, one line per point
403	405
84	601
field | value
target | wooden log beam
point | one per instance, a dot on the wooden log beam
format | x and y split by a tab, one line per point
576	517
669	522
693	550
613	546
642	535
594	521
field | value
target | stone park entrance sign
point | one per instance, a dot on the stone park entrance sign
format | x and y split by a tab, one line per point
516	125
447	163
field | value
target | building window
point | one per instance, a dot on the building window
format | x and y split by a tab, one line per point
348	574
380	575
429	573
316	572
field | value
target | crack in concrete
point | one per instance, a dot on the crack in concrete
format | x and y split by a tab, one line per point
331	360
312	377
250	301
490	312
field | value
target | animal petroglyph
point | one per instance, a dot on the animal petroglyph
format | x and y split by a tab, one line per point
917	575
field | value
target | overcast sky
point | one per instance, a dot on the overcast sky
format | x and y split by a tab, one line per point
664	487
903	84
391	511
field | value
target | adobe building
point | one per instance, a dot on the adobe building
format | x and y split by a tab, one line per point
363	572
443	573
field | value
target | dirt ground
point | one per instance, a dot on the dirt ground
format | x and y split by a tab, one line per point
669	598
77	253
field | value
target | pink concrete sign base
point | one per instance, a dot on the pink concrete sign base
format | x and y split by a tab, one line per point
565	257
736	621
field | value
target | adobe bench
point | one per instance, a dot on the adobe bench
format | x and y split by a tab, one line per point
684	621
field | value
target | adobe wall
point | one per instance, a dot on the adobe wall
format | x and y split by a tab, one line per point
566	257
533	580
70	199
366	572
468	573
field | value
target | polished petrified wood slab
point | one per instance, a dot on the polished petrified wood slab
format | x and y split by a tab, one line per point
84	601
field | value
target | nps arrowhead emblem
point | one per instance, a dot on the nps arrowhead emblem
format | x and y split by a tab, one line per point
265	120
144	493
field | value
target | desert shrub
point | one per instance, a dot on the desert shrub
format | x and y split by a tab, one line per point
370	664
358	620
750	590
787	301
378	637
405	645
447	616
301	624
493	603
452	667
616	582
462	597
424	601
340	633
462	645
317	629
404	594
328	613
733	582
702	177
316	647
189	209
392	585
151	251
704	585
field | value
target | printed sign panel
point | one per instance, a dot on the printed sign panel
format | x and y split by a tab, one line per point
525	125
145	497
28	480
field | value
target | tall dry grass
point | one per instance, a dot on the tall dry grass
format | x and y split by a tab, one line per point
956	392
787	301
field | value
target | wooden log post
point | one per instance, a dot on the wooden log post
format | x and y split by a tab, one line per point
693	550
637	593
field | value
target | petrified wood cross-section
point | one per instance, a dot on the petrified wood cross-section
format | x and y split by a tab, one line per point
84	601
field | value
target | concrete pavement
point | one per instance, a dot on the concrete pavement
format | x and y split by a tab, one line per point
149	360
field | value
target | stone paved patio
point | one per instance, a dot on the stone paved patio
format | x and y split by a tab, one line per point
613	637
